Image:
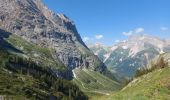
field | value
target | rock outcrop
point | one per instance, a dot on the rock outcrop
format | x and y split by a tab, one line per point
34	22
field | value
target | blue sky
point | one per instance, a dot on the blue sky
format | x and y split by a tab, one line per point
107	21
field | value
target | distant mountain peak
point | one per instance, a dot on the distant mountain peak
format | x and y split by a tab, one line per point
127	56
138	42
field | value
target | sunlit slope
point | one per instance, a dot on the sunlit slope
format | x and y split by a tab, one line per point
94	82
39	54
152	86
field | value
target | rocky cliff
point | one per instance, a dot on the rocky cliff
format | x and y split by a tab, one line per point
35	23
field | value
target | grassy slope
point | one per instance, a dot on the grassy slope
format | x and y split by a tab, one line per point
93	83
37	53
44	55
15	84
152	86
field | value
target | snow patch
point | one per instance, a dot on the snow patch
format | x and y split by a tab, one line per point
134	50
114	48
120	59
125	47
161	52
106	56
96	53
132	65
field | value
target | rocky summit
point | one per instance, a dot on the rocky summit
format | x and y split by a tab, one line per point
126	57
35	23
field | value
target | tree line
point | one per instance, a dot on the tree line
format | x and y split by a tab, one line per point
58	87
161	63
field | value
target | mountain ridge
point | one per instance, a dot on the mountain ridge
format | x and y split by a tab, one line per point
50	40
151	85
127	56
34	22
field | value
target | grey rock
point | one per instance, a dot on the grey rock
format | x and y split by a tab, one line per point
34	22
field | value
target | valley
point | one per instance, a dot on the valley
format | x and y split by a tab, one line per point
91	81
44	57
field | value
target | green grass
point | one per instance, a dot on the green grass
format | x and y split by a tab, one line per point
35	83
94	83
35	52
14	85
152	86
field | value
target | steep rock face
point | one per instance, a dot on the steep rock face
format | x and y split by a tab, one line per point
34	22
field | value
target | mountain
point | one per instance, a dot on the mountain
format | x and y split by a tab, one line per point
153	85
100	50
125	57
48	48
32	21
24	79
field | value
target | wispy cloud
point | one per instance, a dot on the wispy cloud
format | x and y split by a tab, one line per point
139	30
98	36
135	31
116	41
164	28
127	33
85	39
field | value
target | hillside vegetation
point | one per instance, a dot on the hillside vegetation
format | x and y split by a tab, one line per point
22	79
93	83
37	53
151	85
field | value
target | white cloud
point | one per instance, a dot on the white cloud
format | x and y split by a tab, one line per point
86	39
139	30
98	44
117	41
164	28
135	31
98	36
127	33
